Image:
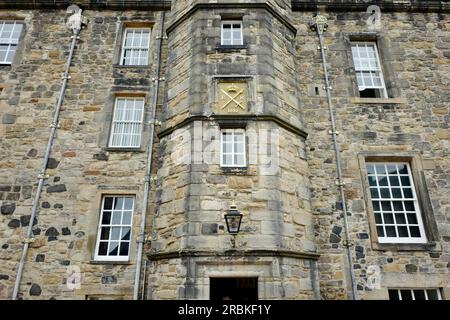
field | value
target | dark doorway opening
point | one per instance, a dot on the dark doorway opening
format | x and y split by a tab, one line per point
233	289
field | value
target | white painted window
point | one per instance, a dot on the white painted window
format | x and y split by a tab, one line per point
135	47
9	39
232	151
396	208
369	74
114	231
415	294
232	33
126	127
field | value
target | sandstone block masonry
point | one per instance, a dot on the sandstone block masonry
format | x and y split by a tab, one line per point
292	233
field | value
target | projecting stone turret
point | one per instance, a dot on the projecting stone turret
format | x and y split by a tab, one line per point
232	76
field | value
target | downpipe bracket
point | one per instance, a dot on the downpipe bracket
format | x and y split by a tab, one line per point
43	176
28	240
155	122
331	132
348	243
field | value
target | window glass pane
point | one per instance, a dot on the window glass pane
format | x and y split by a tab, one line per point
374	193
126	218
117	216
372	181
405	181
239	137
406	294
386	205
227	148
408	193
388	218
239	148
378	218
419	295
108	203
10	55
382	181
412	219
128	204
432	295
390	231
415	232
118	203
409	205
400	218
402	169
115	233
103	248
403	232
398	205
393	295
380	169
104	235
227	136
370	169
227	159
106	219
391	169
380	231
239	160
126	233
376	205
113	248
396	193
124	248
393	180
385	193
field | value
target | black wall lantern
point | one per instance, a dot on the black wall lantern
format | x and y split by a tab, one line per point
233	219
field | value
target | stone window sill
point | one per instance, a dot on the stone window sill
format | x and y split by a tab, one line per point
110	262
404	246
119	66
223	48
235	170
357	100
112	149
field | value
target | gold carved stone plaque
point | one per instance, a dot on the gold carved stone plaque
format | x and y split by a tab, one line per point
232	97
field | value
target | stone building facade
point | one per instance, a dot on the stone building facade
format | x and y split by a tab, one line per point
266	87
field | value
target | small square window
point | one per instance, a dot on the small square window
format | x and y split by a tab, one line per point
232	33
233	148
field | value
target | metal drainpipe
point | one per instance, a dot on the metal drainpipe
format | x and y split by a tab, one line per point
148	169
42	175
319	25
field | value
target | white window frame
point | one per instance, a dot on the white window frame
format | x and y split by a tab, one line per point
382	87
233	153
98	257
134	48
415	200
232	22
120	124
412	292
11	42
